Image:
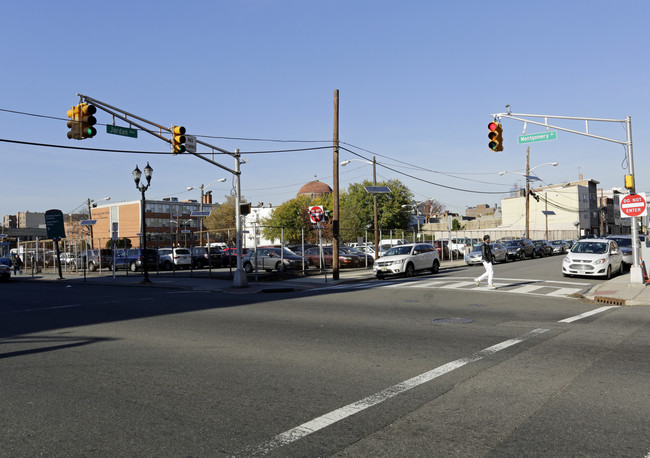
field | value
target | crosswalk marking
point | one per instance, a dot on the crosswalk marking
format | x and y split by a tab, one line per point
515	286
564	292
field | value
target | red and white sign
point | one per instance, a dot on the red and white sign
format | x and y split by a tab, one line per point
316	214
634	205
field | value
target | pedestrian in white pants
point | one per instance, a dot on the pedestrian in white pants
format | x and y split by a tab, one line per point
488	259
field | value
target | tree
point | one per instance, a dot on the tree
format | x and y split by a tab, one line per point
222	221
123	242
291	217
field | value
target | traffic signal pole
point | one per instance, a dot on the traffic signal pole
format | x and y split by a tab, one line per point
636	276
240	275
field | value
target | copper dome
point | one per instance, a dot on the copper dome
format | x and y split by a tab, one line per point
314	189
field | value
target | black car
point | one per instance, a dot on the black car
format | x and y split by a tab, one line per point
132	259
542	248
519	248
204	257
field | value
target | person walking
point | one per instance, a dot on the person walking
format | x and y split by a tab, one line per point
17	264
488	260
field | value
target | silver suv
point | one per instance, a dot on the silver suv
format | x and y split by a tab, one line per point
170	258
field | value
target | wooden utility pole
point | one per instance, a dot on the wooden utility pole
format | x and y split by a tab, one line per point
335	186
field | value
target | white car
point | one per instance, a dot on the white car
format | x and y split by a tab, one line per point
407	259
170	258
593	257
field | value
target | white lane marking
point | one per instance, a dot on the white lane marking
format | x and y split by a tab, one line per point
330	418
586	314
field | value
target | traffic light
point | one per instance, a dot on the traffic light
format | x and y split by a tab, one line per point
495	136
88	120
178	139
74	124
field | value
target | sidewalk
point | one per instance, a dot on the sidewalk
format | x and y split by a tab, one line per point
617	291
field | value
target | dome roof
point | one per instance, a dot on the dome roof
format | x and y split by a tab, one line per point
314	188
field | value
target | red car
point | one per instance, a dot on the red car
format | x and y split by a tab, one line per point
345	259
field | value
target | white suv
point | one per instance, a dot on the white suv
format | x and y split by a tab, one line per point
174	257
407	259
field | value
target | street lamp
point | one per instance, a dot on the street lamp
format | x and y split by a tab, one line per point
202	188
137	175
374	196
416	205
529	178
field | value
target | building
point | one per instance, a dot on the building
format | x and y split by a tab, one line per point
314	189
169	222
570	209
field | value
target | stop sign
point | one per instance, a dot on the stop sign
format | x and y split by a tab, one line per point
634	205
316	214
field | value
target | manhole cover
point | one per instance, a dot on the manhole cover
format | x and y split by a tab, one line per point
452	320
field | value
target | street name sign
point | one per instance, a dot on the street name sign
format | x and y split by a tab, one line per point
634	205
200	213
123	131
541	137
88	222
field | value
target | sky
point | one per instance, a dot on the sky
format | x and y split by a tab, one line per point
418	83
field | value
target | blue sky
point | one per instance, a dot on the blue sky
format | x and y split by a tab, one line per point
418	81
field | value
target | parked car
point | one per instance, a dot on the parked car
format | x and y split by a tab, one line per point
367	259
5	272
593	257
476	255
407	259
624	243
543	248
174	258
135	258
229	257
206	256
519	248
273	258
345	260
99	259
559	246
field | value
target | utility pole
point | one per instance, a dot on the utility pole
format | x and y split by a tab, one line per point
374	205
528	195
240	280
335	197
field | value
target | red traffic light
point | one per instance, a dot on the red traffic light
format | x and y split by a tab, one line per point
495	136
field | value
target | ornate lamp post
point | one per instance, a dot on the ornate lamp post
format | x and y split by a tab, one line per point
137	174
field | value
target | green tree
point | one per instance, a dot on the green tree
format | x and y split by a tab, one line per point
123	242
356	208
222	222
293	217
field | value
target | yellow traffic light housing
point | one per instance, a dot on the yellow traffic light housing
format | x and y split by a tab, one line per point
178	139
88	121
629	182
496	136
74	113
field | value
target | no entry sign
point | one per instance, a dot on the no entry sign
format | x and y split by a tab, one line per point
634	205
316	214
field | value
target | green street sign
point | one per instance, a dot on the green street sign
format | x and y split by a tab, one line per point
541	137
124	131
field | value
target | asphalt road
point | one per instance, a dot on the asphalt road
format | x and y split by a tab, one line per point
396	368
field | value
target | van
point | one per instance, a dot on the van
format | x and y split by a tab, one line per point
386	244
